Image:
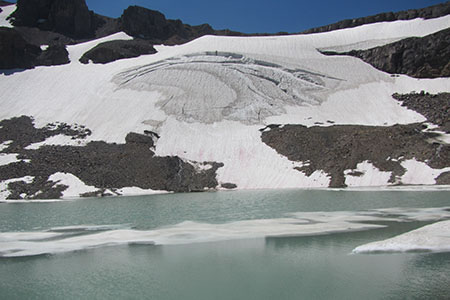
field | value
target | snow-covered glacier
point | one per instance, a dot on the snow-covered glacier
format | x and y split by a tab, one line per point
210	101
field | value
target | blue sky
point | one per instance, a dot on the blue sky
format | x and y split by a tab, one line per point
260	15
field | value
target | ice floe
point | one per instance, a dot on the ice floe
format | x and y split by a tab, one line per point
430	238
82	237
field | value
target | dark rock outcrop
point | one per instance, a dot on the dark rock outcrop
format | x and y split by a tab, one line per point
100	164
115	50
338	148
22	133
434	107
426	57
16	53
430	12
136	138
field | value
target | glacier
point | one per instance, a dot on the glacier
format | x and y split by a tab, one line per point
209	98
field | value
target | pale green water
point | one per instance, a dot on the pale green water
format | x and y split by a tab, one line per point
316	267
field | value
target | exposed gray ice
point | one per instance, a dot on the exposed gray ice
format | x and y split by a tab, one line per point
214	86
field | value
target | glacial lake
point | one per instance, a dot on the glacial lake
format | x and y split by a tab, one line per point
288	244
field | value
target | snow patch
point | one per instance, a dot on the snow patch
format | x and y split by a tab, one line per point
370	176
75	185
6	159
5	145
4	192
6	11
420	173
248	163
58	140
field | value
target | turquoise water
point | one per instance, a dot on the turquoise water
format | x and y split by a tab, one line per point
306	267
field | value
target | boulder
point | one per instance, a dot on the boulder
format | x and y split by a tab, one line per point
115	50
53	55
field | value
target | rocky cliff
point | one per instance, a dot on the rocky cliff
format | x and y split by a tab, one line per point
430	12
426	57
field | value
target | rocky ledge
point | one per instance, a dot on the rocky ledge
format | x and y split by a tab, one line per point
105	166
426	57
339	149
430	12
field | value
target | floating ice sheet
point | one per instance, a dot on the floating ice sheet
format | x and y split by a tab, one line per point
74	238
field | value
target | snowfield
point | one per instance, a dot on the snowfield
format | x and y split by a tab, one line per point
207	99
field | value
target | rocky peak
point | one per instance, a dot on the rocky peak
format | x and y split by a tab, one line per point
152	25
69	17
145	23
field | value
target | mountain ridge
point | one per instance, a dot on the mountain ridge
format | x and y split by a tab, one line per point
63	22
